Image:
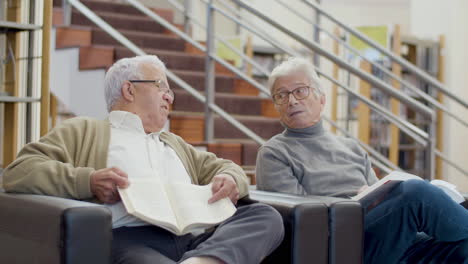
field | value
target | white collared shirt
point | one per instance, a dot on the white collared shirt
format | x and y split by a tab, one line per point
139	154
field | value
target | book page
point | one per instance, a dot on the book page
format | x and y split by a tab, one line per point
389	181
190	203
146	199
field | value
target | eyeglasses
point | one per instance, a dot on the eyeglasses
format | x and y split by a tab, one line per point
299	93
162	86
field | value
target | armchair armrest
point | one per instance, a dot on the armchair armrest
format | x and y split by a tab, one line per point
45	229
322	229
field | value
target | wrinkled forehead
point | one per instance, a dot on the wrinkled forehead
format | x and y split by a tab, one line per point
290	81
151	71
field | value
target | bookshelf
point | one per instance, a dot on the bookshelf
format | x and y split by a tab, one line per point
24	93
384	137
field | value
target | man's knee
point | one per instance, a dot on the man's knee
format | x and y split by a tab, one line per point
417	189
269	218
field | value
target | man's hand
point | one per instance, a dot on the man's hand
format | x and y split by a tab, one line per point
224	186
104	184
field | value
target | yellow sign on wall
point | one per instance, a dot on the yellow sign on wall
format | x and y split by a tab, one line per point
378	34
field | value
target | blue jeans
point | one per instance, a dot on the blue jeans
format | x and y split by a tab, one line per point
417	222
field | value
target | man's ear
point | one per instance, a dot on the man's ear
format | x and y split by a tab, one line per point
323	99
128	91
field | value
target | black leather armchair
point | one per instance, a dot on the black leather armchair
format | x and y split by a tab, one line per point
318	229
43	229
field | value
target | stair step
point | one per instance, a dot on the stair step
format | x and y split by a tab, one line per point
172	59
223	83
75	36
190	126
120	8
175	60
231	103
124	8
248	149
57	16
141	39
120	21
96	57
230	151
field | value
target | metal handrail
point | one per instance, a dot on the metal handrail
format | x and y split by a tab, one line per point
382	68
379	160
412	103
197	45
124	41
407	65
402	82
192	91
453	164
375	82
263	70
385	163
415	132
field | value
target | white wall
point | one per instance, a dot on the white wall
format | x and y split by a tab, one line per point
284	17
370	12
82	92
429	19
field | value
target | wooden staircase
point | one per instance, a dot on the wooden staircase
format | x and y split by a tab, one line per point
234	95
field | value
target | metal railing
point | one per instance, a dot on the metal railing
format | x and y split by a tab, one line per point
419	135
380	161
404	63
425	111
425	139
127	43
404	84
416	133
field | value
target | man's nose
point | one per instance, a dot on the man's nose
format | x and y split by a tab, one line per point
168	98
291	99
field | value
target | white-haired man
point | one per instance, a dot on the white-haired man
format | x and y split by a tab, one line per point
417	222
87	159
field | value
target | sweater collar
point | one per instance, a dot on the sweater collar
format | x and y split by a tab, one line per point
314	130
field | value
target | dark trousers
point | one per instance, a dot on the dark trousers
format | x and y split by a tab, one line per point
417	223
252	233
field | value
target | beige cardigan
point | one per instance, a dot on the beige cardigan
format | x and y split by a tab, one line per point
61	162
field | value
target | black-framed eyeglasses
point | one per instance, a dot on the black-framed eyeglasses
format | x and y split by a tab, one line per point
162	86
299	93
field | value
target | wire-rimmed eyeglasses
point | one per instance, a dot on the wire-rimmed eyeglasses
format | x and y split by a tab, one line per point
299	93
162	86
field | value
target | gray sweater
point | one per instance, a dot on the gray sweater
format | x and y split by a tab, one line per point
312	161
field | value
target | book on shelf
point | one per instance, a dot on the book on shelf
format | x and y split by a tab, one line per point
177	207
377	192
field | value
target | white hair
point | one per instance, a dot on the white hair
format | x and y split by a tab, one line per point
293	65
123	70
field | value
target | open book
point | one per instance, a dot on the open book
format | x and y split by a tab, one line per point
177	207
377	192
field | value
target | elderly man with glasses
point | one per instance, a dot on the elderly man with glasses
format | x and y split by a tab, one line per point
88	159
416	222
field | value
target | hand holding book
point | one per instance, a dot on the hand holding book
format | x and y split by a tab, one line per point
176	207
224	186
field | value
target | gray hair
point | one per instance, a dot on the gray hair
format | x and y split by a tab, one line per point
293	65
123	70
